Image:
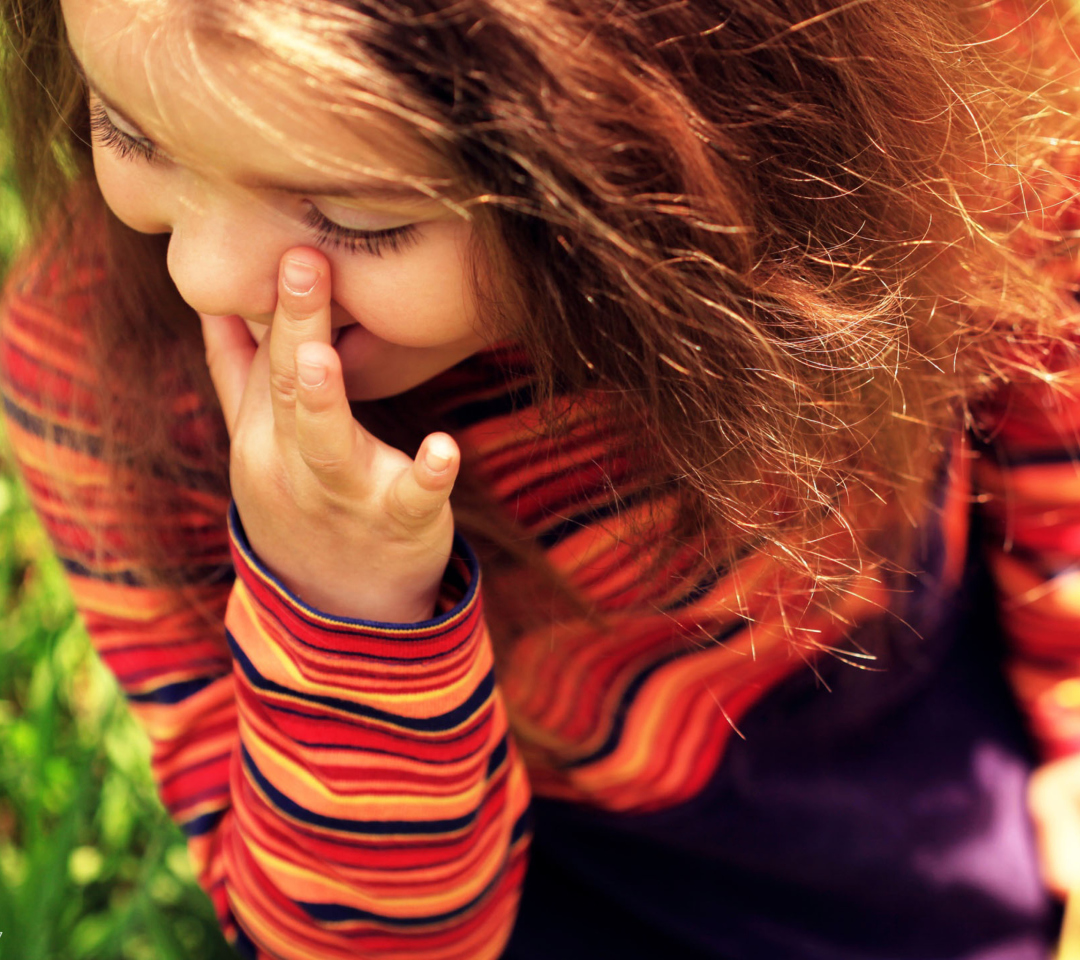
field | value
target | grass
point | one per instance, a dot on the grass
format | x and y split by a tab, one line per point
91	867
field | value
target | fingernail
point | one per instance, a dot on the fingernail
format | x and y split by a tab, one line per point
299	277
310	374
436	462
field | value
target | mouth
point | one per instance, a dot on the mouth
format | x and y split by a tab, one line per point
340	321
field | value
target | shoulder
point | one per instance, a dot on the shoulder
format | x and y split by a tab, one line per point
46	373
87	355
47	302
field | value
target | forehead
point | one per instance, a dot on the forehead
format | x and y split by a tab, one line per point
219	106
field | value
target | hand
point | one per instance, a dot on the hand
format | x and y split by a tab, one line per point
350	525
1054	804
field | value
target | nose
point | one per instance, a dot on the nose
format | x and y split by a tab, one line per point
224	260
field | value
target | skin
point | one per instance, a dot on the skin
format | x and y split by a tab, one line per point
1054	804
377	525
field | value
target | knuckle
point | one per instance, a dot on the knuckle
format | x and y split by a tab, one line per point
413	513
415	509
245	456
257	476
296	309
327	465
283	384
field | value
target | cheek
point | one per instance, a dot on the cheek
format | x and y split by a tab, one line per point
130	190
421	297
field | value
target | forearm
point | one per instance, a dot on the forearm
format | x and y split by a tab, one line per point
377	790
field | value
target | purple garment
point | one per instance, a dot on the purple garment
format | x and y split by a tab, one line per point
883	819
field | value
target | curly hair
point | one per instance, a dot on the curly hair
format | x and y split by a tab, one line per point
777	236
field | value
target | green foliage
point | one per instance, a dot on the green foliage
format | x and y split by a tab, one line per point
12	221
90	864
91	867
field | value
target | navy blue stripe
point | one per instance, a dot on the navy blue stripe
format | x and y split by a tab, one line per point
125	577
243	945
205	576
334	913
523	826
631	692
173	692
1038	459
1002	457
437	724
72	439
498	757
591	517
702	587
476	411
202	825
460	550
91	444
403	755
291	808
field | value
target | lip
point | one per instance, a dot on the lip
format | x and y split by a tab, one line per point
340	320
337	332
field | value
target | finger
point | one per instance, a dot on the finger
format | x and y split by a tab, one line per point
302	315
327	436
229	352
1054	805
420	492
1059	853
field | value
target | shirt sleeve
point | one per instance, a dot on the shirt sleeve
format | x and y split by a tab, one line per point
1028	484
347	788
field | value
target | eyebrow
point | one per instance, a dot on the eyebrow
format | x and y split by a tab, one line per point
390	191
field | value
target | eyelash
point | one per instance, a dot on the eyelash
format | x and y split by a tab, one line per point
106	134
327	233
374	242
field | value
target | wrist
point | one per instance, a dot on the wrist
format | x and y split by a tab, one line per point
389	605
367	605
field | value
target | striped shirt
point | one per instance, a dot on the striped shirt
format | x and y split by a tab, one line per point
358	789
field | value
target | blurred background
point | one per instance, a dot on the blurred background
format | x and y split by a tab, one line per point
91	867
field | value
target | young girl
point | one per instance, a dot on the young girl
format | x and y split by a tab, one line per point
709	313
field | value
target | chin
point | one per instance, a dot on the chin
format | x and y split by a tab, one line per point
381	384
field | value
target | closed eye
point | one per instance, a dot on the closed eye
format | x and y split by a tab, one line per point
374	242
107	134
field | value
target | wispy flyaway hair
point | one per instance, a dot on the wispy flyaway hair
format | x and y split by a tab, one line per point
780	236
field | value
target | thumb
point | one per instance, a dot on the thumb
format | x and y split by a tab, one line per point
422	490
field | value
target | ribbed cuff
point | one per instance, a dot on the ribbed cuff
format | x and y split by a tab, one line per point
458	601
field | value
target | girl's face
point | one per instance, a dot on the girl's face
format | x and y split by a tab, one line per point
232	190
